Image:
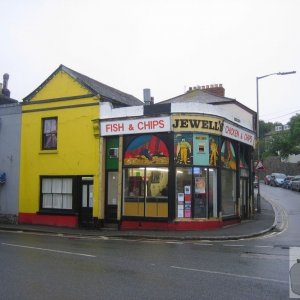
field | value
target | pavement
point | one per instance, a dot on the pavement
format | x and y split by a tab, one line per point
268	220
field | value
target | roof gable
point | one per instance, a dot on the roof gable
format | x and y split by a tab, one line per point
58	85
88	86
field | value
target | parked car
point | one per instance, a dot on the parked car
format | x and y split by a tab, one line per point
277	179
287	182
267	179
295	183
255	182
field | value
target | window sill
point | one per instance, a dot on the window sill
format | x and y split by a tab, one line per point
48	152
61	212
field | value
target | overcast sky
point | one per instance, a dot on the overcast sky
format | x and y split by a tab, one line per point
163	45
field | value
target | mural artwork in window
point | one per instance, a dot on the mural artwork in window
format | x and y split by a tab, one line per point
200	149
228	159
146	150
183	149
244	168
213	151
205	150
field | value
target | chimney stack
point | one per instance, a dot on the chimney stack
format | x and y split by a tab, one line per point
215	89
5	90
147	97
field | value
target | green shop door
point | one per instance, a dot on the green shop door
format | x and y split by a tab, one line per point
86	207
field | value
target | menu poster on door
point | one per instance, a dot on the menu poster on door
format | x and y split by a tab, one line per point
180	198
187	210
180	211
187	193
180	207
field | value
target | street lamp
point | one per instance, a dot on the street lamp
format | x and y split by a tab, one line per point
257	126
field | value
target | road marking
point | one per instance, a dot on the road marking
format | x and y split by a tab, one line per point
230	274
233	245
174	242
49	250
264	246
264	256
151	241
203	244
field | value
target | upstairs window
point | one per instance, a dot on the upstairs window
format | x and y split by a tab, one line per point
49	139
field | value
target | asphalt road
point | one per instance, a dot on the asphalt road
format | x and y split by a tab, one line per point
37	266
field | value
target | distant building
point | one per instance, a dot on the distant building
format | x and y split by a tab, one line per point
10	126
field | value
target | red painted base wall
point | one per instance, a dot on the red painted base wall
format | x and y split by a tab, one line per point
50	220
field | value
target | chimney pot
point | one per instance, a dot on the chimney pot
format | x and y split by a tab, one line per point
216	89
5	90
147	96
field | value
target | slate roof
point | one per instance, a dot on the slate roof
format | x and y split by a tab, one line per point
7	100
200	96
97	88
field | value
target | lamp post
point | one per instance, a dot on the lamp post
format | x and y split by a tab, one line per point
257	127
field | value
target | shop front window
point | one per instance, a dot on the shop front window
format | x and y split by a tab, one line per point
184	192
228	179
212	188
196	192
146	192
146	178
228	182
200	193
134	192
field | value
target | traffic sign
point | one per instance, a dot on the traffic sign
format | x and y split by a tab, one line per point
259	165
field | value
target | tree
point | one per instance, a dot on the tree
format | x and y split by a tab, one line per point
295	132
281	143
287	142
264	129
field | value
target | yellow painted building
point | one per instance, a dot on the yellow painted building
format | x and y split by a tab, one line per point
61	169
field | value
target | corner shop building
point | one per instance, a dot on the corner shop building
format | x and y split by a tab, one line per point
180	164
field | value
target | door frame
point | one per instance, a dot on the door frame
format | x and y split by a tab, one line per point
111	210
244	197
85	218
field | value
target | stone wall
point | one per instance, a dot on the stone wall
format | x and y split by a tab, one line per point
8	219
275	165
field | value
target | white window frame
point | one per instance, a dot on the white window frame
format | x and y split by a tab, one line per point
57	193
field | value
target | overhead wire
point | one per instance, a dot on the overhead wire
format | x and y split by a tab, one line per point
293	112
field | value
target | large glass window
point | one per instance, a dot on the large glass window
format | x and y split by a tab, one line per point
196	192
228	182
228	178
212	191
49	138
146	177
146	192
200	193
184	177
56	193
